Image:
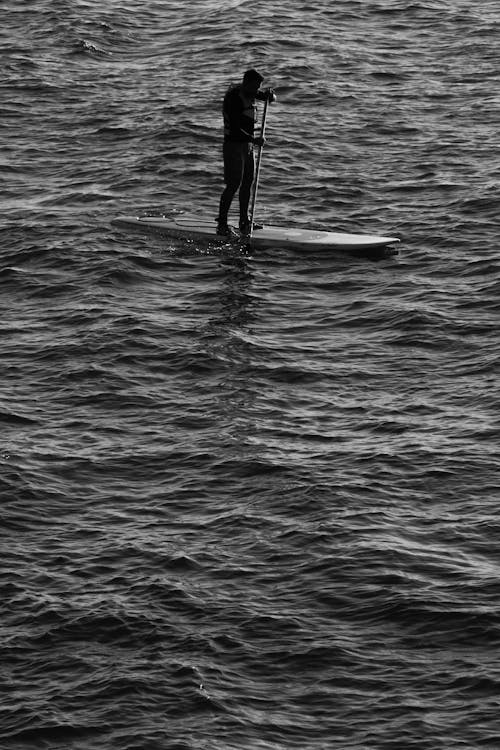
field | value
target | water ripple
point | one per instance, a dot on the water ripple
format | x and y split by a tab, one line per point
249	500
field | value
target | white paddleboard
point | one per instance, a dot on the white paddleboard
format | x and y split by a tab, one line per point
192	227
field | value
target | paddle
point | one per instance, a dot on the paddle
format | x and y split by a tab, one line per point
257	169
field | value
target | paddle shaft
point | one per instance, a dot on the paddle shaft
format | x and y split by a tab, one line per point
257	168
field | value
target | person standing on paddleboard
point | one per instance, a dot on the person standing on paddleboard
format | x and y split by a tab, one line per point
239	111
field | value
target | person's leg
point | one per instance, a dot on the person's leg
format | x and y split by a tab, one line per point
233	174
246	187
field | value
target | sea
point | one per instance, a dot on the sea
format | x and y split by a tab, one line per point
249	498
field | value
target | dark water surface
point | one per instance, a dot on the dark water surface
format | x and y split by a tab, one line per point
249	502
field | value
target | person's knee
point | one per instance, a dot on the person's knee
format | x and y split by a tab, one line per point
233	183
233	174
246	183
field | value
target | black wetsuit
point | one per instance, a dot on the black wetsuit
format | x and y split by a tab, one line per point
239	112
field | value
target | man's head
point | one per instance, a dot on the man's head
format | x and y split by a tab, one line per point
252	81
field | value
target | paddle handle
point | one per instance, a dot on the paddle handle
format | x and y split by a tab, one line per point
257	168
